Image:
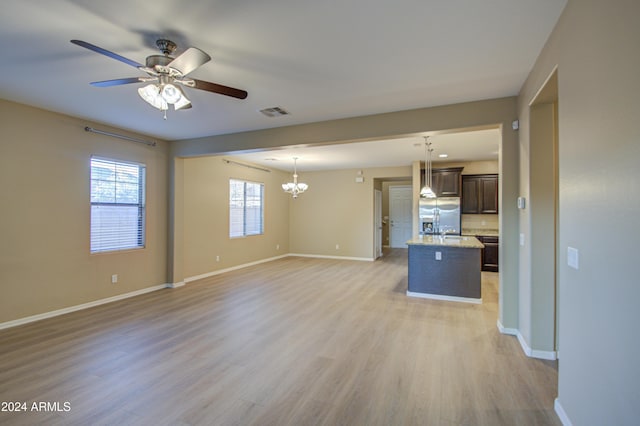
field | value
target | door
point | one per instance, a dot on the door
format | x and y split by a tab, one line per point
400	215
377	220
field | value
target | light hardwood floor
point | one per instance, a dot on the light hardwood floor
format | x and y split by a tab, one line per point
296	341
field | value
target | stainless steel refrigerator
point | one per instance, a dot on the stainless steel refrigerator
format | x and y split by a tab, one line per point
440	214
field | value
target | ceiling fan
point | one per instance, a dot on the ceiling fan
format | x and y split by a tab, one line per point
163	72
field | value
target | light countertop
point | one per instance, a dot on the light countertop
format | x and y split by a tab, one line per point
481	232
448	241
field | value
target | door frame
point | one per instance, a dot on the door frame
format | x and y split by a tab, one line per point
377	224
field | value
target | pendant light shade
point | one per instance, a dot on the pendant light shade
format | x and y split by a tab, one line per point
294	188
427	191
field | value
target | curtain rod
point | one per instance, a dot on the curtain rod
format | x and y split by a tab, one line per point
116	135
246	165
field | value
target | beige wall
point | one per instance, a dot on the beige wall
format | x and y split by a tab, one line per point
206	216
337	211
45	263
594	47
480	114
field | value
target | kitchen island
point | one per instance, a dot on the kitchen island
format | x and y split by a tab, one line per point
445	268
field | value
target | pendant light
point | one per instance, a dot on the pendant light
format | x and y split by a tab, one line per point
294	188
427	191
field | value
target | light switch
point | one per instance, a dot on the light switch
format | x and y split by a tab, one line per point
573	258
438	255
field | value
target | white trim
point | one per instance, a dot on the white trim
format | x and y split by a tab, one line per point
233	268
38	317
511	331
175	285
441	297
531	353
562	415
320	256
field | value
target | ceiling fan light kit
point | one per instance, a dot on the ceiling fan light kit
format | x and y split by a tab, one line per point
163	72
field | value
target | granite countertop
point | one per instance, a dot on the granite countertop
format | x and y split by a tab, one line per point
448	241
481	231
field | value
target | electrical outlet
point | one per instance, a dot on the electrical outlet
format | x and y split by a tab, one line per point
114	278
438	255
217	258
277	246
337	246
522	239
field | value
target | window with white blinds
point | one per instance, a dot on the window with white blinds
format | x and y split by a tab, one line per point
246	208
117	205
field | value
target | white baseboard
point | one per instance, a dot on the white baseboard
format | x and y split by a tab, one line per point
38	317
562	415
233	268
531	353
441	297
320	256
245	265
510	331
45	315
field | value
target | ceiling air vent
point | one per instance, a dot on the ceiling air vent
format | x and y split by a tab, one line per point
274	111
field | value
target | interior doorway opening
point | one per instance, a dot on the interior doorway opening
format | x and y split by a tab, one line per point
542	296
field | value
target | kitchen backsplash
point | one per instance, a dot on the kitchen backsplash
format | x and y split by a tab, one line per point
480	221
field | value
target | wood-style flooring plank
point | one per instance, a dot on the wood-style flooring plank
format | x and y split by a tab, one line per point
296	341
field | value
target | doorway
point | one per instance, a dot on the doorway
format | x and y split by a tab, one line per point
377	232
543	219
400	215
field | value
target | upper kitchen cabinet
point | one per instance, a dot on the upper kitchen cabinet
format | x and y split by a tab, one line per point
447	181
480	194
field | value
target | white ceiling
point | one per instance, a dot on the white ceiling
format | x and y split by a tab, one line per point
459	146
319	60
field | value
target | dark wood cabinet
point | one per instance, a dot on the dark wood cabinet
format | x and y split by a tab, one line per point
447	182
480	194
490	254
470	202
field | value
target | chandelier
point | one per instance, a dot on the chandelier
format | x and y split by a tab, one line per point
294	188
427	191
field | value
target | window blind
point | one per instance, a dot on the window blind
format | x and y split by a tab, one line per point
246	208
117	205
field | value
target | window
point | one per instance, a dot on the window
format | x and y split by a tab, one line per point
117	205
246	208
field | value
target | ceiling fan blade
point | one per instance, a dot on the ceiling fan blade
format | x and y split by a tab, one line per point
106	53
191	59
116	82
218	88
